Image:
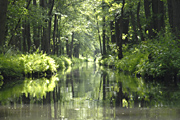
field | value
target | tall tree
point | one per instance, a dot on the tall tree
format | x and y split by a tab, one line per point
149	26
139	22
176	17
104	29
3	11
119	20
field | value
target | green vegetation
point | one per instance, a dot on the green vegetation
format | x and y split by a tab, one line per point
24	65
138	36
33	65
153	58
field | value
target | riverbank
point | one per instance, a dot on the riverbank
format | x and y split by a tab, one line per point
153	59
32	65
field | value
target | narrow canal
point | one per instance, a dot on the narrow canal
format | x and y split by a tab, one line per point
89	92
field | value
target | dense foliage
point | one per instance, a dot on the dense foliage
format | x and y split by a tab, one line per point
139	36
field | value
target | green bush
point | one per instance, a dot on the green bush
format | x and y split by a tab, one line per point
132	62
77	60
59	62
157	58
108	61
11	66
38	63
20	65
67	61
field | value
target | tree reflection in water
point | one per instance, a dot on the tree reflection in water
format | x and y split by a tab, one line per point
89	92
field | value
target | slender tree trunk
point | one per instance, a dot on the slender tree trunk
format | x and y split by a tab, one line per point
24	37
71	48
36	32
44	39
161	14
113	39
170	13
155	16
48	45
67	46
28	35
104	30
54	33
3	11
148	18
58	40
120	54
76	50
176	17
135	38
99	36
119	30
139	22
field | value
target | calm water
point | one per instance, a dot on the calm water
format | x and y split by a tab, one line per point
89	92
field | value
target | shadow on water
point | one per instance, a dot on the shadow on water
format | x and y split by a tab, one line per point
88	91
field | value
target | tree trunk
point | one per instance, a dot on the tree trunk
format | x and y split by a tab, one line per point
3	11
104	30
54	33
48	45
155	15
119	30
36	32
170	13
67	46
99	36
71	49
120	54
76	50
113	39
133	23
161	13
148	18
24	37
176	17
139	22
28	35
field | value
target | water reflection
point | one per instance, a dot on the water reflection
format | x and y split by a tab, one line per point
89	92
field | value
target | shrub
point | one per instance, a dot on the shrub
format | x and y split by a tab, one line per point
77	60
17	66
59	62
158	59
67	61
38	63
11	66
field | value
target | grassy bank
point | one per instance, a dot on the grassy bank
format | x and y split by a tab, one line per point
154	58
32	65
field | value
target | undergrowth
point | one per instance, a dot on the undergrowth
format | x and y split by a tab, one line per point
36	65
157	58
17	66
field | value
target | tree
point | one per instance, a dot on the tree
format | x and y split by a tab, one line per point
176	17
3	11
104	29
